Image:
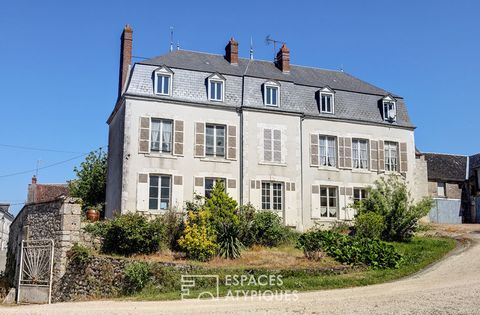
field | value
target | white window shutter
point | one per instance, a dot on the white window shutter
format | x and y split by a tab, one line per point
277	146
381	156
373	155
232	188
314	150
315	201
178	137
199	186
144	135
348	152
267	145
403	157
177	193
142	192
199	139
232	143
256	194
341	152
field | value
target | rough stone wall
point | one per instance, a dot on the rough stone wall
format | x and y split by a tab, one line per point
58	220
420	178
454	190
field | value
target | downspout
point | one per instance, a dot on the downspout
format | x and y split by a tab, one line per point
302	118
240	111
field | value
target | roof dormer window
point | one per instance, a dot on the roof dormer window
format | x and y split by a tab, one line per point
163	81
216	90
389	108
271	92
327	101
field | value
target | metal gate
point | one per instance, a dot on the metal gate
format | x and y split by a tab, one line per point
36	268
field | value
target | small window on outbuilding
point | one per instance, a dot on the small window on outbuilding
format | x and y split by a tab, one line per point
441	191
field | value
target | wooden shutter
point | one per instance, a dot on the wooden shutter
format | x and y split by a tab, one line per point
267	145
374	155
256	194
315	200
403	157
277	146
198	187
232	143
348	152
232	188
199	139
144	135
381	156
142	192
341	152
177	193
314	150
178	137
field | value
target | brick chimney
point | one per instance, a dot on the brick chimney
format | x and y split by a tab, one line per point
125	57
231	51
283	59
34	179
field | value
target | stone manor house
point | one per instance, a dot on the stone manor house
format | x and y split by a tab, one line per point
301	141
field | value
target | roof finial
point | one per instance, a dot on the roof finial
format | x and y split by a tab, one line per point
171	38
178	45
251	48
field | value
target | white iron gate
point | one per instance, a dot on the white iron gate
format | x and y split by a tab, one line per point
36	268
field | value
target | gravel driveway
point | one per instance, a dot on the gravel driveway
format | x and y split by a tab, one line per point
452	286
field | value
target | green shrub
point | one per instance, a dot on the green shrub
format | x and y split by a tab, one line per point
136	276
246	215
199	237
132	234
369	225
173	225
268	230
391	199
165	279
222	207
349	250
229	246
79	254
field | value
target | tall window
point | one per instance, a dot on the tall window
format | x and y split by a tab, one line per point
161	135
216	90
359	194
210	183
215	140
360	153
389	111
326	103
391	156
272	145
159	194
162	85
271	95
328	151
328	202
272	196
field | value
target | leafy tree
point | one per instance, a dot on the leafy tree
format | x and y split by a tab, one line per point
222	207
91	181
391	199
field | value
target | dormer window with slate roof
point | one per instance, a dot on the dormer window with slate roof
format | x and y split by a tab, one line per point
162	81
389	108
327	101
216	87
271	93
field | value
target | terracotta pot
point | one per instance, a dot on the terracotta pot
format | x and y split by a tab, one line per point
93	215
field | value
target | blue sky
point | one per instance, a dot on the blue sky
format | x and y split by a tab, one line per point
59	64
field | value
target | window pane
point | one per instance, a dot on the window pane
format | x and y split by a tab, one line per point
274	96
166	82
269	97
209	140
166	136
266	196
220	141
155	135
219	90
277	196
153	193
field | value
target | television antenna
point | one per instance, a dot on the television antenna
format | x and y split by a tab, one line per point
269	40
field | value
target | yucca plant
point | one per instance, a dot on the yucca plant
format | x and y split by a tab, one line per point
229	245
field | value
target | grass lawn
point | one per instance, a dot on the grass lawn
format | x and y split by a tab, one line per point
298	273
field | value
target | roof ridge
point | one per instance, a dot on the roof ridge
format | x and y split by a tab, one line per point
451	154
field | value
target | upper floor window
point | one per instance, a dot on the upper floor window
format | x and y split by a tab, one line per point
272	196
159	192
328	151
272	145
163	81
216	90
215	140
389	108
161	135
271	94
391	156
327	100
360	153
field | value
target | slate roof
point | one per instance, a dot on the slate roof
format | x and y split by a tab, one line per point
4	208
474	163
355	99
446	167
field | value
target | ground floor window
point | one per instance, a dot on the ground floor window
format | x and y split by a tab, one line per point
210	183
272	196
328	202
359	194
159	192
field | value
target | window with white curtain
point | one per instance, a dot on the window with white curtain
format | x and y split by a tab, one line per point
161	135
328	202
391	156
360	153
328	151
162	83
